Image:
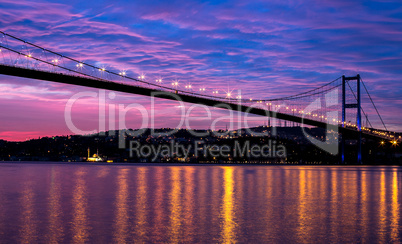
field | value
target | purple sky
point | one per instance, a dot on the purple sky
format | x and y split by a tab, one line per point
273	48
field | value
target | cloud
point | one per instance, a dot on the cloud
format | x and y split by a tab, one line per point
265	48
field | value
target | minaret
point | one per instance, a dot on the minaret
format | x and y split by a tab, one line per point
88	152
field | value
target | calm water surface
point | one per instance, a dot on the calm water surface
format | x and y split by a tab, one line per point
138	203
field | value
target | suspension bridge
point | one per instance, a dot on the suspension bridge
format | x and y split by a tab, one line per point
318	107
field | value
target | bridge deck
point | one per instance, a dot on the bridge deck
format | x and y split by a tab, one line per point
131	89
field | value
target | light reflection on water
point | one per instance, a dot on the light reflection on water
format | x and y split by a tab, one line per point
80	229
175	205
121	225
55	228
227	212
136	203
395	209
28	226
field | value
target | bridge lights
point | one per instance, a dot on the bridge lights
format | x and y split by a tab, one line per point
80	65
202	89
55	61
159	81
175	84
215	92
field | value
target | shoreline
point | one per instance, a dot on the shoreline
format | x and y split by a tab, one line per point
191	164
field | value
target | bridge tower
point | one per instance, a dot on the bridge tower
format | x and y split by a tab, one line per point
358	119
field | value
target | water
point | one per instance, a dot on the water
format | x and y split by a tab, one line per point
139	203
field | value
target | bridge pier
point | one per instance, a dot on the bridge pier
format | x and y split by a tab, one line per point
358	118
